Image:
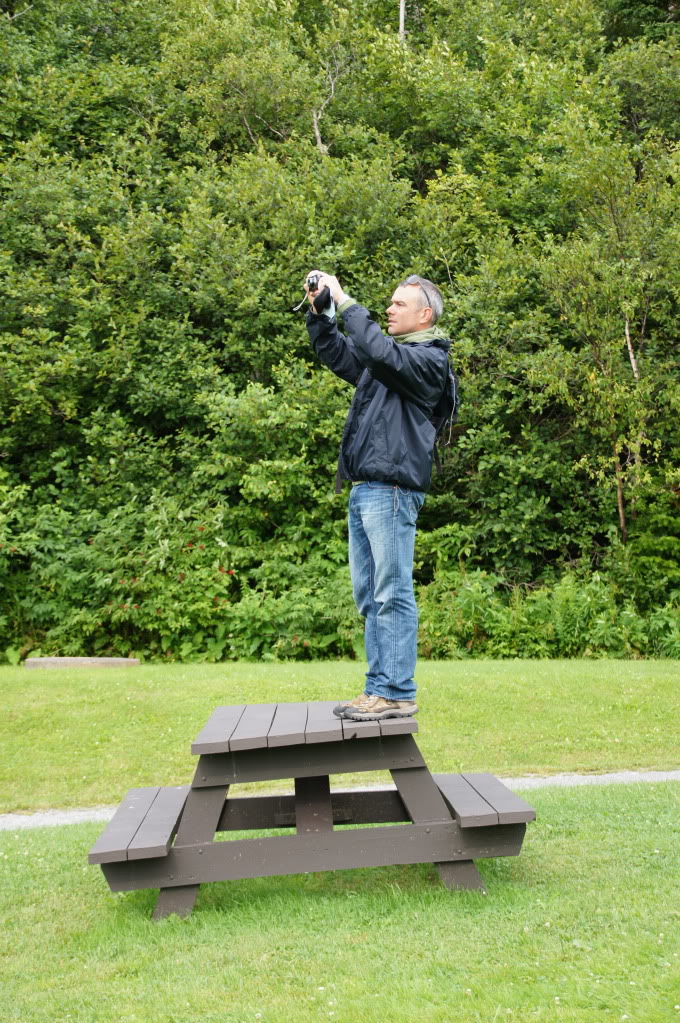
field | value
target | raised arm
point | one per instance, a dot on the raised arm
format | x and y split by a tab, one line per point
334	349
416	372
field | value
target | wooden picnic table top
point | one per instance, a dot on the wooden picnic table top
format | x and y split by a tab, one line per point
267	725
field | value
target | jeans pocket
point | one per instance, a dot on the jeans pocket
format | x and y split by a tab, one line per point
417	501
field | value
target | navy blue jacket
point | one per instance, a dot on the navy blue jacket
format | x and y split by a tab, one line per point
388	435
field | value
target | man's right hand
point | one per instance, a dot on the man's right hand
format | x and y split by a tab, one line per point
326	281
312	294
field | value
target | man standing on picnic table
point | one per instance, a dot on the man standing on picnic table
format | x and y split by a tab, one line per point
386	453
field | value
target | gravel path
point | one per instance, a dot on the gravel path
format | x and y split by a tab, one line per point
49	818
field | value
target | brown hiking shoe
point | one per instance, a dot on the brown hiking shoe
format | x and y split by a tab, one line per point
375	708
341	710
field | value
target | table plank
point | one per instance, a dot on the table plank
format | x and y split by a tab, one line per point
511	809
398	726
322	725
288	726
359	729
158	828
214	737
251	731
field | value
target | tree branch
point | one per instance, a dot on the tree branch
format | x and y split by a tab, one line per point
334	72
13	17
631	352
320	144
619	496
402	21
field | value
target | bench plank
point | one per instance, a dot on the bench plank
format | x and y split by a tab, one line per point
251	731
214	737
158	828
470	808
288	726
111	846
511	809
322	724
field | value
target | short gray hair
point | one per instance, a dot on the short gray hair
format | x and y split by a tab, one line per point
430	295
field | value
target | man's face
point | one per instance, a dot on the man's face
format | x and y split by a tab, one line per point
404	316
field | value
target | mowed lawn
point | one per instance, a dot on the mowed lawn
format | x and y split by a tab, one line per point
82	737
582	927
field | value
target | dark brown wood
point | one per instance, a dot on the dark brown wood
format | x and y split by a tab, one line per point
359	729
200	818
112	845
292	723
322	724
511	809
179	900
398	726
460	875
251	731
214	737
423	801
470	808
420	795
255	813
377	806
158	828
344	849
313	810
308	761
288	726
454	819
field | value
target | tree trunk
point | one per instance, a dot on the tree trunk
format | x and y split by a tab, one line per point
619	497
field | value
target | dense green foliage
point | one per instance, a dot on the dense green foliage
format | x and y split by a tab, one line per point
170	170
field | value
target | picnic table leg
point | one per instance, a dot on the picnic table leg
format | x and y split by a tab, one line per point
200	818
424	802
313	810
461	874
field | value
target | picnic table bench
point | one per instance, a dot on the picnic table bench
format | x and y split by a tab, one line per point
164	837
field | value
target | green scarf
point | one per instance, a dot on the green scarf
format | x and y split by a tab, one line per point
430	334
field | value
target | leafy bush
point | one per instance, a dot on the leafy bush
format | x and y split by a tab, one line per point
474	614
166	182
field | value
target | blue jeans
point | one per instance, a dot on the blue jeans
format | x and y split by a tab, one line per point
382	530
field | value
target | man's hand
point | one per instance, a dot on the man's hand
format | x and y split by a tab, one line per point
326	281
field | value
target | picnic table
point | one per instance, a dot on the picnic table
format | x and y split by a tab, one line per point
164	837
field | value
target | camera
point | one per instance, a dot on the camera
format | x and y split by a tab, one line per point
322	303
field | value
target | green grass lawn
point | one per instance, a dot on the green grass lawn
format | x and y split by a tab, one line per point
582	927
83	737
